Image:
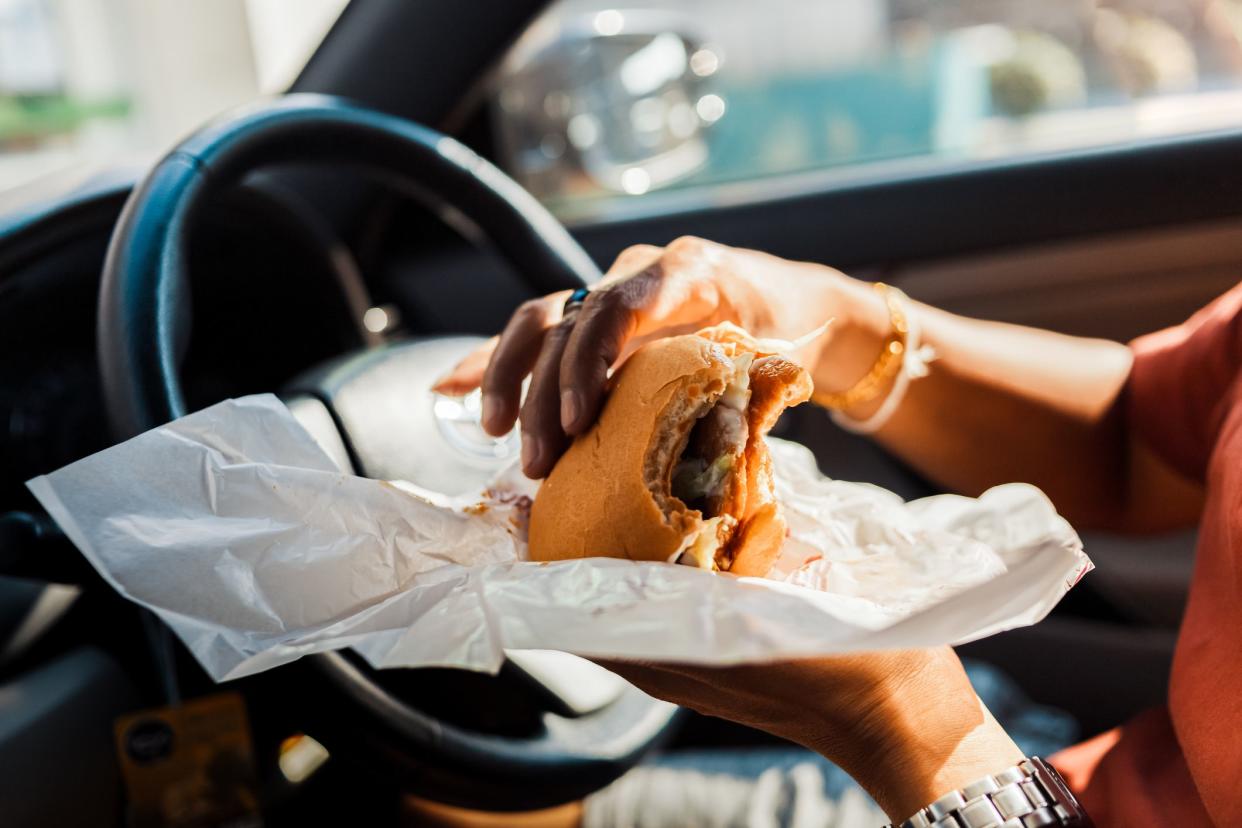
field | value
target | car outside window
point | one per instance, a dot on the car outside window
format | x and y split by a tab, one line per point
602	108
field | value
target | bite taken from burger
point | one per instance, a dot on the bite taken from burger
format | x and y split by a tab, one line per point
676	468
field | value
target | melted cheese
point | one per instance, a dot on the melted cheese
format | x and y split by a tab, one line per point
737	393
699	548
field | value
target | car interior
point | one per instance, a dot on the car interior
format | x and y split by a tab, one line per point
344	244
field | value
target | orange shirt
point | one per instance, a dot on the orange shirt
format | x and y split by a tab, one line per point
1182	765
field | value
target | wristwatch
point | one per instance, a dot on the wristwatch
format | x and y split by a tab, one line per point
1031	794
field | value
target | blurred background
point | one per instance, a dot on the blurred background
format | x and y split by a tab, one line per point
600	105
90	81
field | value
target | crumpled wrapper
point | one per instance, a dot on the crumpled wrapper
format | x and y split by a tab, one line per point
243	536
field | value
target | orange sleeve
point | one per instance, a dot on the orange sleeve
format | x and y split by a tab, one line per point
1178	388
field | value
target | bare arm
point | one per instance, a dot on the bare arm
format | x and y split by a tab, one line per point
1003	403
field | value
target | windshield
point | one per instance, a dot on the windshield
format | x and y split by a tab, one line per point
83	83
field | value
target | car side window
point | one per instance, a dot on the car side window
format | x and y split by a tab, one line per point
602	107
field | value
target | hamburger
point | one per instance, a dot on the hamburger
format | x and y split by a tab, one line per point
676	468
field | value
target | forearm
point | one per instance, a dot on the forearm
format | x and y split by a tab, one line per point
927	766
925	734
1005	403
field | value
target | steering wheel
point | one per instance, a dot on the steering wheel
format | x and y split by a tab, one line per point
574	730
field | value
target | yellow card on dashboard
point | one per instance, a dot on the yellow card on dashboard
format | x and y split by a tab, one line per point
190	766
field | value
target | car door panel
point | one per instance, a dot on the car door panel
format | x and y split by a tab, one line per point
1117	286
935	209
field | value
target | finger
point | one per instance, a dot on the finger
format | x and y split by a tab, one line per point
633	259
543	441
467	375
513	358
638	673
655	680
606	321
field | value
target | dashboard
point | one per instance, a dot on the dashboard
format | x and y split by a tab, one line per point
272	293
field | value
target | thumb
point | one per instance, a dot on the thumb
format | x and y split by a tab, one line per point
468	374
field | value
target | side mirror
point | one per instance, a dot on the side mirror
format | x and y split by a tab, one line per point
616	102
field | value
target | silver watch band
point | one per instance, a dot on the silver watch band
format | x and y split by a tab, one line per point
1031	794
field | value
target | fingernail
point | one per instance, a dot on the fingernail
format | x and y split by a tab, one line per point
489	410
571	407
531	451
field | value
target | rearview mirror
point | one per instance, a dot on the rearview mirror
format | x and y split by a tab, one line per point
615	102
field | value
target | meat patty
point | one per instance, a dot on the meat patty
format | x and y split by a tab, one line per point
704	476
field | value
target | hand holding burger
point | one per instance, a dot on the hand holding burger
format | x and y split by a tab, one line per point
680	437
648	294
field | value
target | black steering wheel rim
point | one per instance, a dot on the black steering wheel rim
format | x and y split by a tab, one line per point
144	325
143	318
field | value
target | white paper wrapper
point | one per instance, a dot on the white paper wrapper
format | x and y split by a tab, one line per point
239	531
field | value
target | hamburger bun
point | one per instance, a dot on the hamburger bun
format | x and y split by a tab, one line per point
676	469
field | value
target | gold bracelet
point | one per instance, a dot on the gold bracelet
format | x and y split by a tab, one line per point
886	365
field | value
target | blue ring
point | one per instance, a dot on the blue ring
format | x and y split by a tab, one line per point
576	298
